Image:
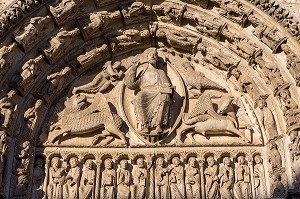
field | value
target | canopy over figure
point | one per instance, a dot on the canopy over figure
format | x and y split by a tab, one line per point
152	102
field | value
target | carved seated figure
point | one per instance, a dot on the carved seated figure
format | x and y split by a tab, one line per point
152	102
64	10
33	31
6	109
209	26
235	11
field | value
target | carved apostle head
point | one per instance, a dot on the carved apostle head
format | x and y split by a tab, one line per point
176	161
293	135
89	163
226	161
73	162
108	163
160	161
192	162
241	160
257	159
123	163
152	57
210	161
55	162
140	162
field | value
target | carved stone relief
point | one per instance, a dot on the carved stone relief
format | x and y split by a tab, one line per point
137	96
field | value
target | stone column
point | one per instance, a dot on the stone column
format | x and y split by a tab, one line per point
98	177
250	164
202	188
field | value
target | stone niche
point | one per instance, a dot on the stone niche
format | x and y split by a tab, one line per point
151	99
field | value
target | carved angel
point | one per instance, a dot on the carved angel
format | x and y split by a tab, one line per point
78	118
204	118
196	81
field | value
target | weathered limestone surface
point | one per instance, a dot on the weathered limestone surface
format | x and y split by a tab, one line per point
149	99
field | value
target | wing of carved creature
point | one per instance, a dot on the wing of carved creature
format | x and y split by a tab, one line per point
203	106
100	104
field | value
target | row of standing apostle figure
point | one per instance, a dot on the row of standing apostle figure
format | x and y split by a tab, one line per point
171	181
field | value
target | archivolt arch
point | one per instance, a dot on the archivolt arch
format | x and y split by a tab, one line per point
61	43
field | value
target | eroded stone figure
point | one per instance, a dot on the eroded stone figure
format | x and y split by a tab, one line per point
152	102
30	72
226	179
38	179
92	56
71	185
101	82
218	58
259	178
21	188
197	82
87	181
293	63
241	187
176	178
209	26
161	180
56	82
108	181
140	175
23	158
170	12
290	107
7	108
96	23
192	179
60	43
275	159
294	148
3	150
277	188
33	31
136	12
211	179
266	118
31	116
124	180
6	60
235	11
56	179
65	10
270	36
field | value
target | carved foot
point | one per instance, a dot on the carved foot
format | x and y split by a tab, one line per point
246	140
96	139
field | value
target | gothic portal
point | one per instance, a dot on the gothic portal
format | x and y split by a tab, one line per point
173	99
